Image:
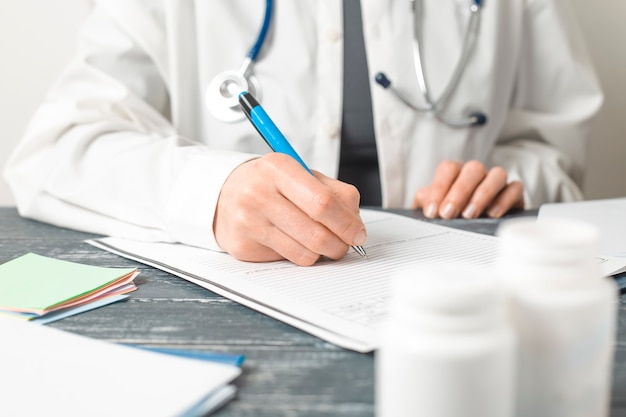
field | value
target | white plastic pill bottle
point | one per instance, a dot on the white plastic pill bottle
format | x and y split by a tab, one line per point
564	314
446	349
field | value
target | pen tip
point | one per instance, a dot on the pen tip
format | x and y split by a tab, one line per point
360	251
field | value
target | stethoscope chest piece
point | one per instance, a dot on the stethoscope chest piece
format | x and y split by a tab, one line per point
223	91
222	94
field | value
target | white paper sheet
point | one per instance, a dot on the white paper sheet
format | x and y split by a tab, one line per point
608	216
339	301
49	372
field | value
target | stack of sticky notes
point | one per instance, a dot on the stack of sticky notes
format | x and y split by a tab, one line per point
42	289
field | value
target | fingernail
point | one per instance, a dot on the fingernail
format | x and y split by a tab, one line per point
494	211
360	238
448	211
470	211
431	210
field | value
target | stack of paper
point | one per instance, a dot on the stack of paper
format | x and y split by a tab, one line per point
42	289
49	372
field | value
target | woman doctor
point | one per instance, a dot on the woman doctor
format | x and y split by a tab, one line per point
488	109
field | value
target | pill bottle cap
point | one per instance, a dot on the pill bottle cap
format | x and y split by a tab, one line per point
556	252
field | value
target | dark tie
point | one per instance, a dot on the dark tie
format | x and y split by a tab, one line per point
359	160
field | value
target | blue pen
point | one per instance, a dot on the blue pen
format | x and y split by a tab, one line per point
267	129
273	136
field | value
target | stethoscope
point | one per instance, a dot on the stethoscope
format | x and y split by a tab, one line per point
222	94
223	91
435	106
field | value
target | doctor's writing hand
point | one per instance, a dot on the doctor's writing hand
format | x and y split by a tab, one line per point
271	208
467	190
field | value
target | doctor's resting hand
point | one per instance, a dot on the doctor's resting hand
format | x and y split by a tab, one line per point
469	190
272	209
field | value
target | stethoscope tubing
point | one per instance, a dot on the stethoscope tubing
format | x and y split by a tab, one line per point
255	50
245	79
435	106
469	41
256	47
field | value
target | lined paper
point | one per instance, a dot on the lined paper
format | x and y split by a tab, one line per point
340	301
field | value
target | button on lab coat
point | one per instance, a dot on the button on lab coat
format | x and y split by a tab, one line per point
124	144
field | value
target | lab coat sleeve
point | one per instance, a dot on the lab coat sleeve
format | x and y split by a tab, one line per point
101	155
545	137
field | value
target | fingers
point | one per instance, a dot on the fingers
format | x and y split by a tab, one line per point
461	188
346	193
256	237
511	197
494	196
431	198
309	234
271	208
421	197
468	190
485	191
328	202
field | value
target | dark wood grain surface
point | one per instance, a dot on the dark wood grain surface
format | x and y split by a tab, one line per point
286	371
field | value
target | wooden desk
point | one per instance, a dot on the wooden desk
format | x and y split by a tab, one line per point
286	372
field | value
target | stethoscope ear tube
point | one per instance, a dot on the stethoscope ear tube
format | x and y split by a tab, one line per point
382	80
473	120
478	119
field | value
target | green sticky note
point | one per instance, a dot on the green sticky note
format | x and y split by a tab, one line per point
36	283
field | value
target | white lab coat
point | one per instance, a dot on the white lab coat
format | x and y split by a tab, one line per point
124	145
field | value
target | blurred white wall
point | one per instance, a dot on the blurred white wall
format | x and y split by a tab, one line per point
37	38
602	23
